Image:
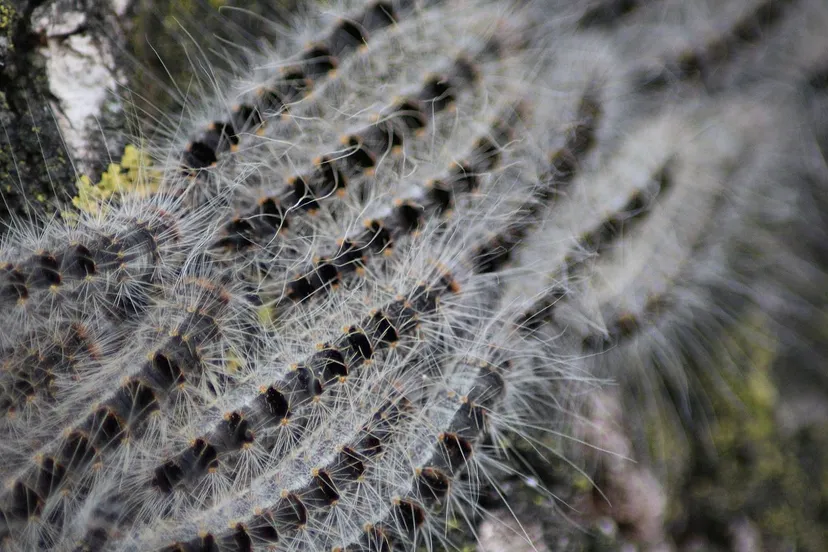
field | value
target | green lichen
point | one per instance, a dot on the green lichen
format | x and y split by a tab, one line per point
745	468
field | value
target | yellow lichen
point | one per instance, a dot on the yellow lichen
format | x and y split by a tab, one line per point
132	175
6	16
232	362
265	314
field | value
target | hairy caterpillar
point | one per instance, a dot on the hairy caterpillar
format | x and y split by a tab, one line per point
376	256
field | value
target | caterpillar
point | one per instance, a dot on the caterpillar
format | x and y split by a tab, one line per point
375	270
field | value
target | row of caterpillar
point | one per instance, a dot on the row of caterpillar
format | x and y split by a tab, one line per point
148	400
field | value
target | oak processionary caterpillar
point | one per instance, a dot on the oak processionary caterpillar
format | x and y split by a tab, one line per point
412	233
